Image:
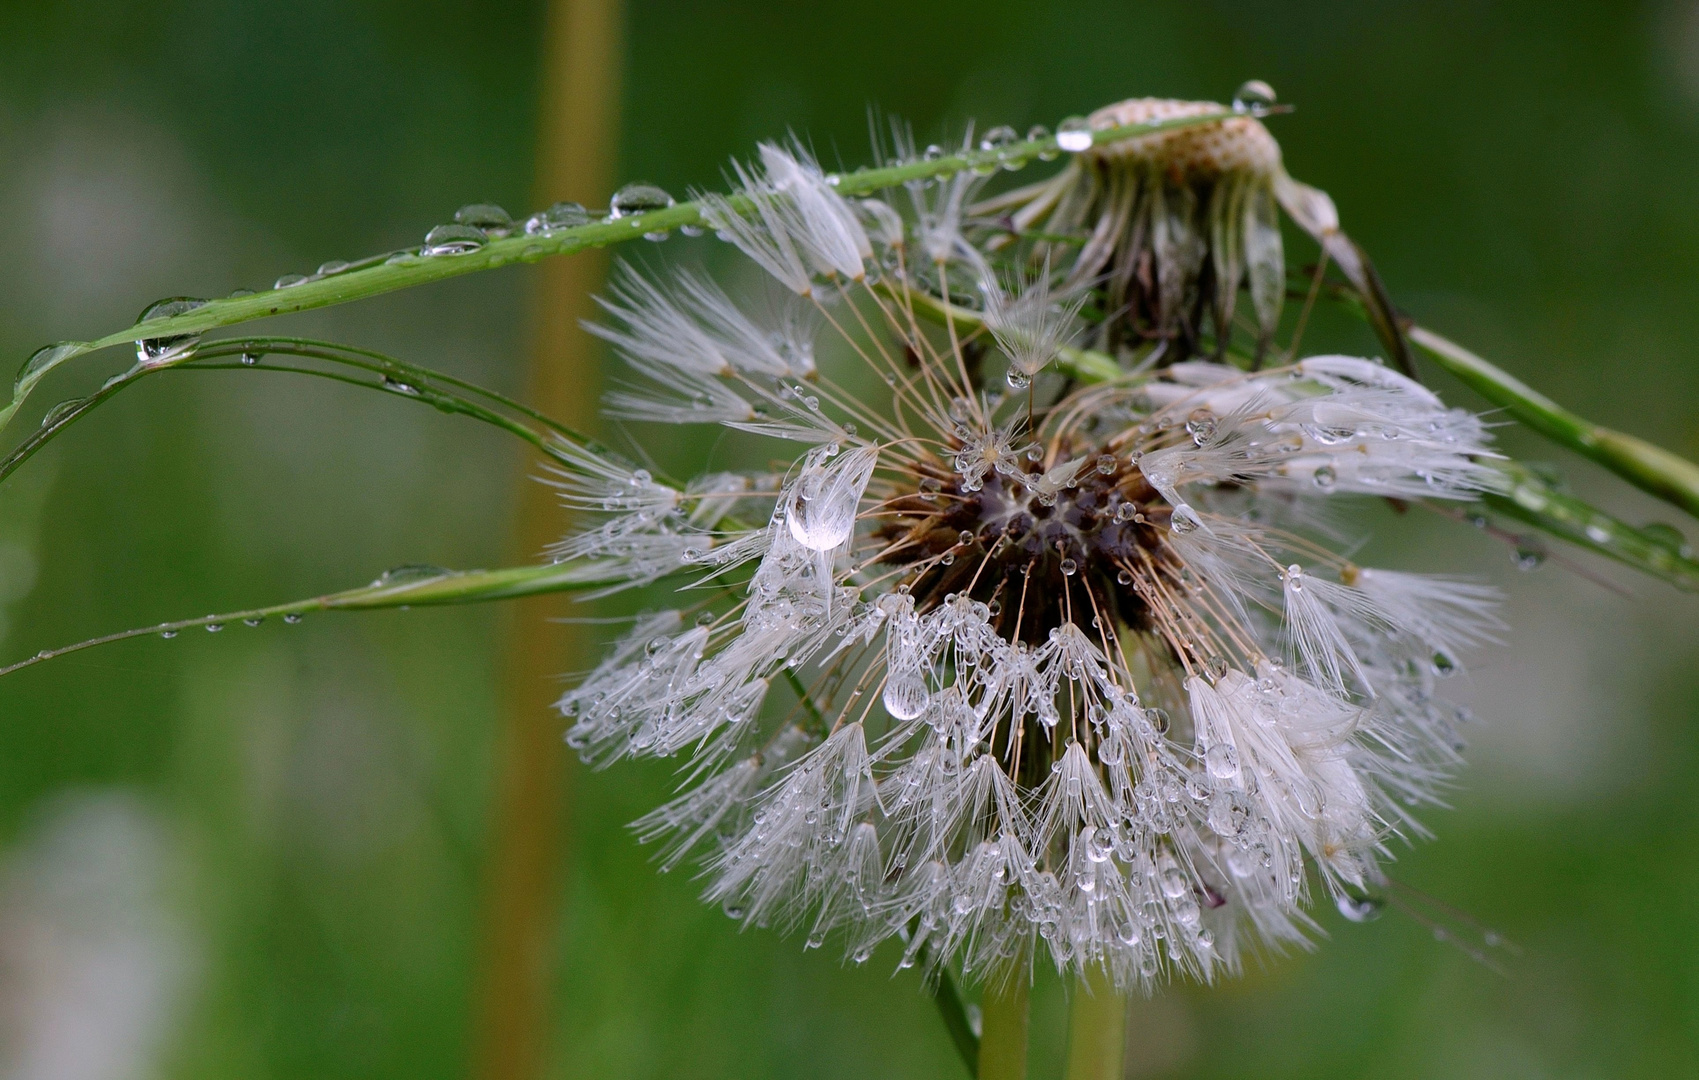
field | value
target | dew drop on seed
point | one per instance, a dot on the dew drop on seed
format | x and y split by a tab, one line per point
163	350
1039	133
1222	761
1018	379
562	215
1184	519
1070	567
1125	577
1325	478
452	240
638	199
1254	97
488	218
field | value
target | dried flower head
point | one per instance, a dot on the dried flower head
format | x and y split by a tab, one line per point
1076	666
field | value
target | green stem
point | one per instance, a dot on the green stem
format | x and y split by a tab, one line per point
954	1014
1005	1011
1097	1028
406	269
404	588
1648	467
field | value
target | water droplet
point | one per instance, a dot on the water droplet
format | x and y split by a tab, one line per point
1444	665
289	281
489	218
168	634
733	909
253	620
998	138
249	359
60	411
638	199
1040	133
562	215
335	266
1018	379
1360	908
398	387
407	574
906	695
947	559
163	350
1074	134
214	627
1599	531
1201	425
1668	536
1529	554
1222	761
1159	720
46	358
292	618
1184	519
452	240
1125	577
1254	97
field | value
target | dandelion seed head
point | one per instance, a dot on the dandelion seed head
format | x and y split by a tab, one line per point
1070	669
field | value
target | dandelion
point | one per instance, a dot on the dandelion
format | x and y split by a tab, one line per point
1073	673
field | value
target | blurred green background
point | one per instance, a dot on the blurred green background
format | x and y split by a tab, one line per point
258	853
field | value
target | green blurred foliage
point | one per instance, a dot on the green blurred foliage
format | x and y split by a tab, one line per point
1525	174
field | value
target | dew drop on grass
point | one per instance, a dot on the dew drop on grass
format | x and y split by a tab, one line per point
452	240
163	350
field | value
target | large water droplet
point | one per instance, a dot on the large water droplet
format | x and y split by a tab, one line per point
1254	97
562	215
638	199
163	350
289	281
489	218
906	695
452	240
45	359
1074	134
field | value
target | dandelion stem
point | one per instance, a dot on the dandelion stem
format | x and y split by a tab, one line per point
945	992
1002	1042
1097	1028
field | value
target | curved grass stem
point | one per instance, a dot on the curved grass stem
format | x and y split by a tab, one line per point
406	269
405	587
